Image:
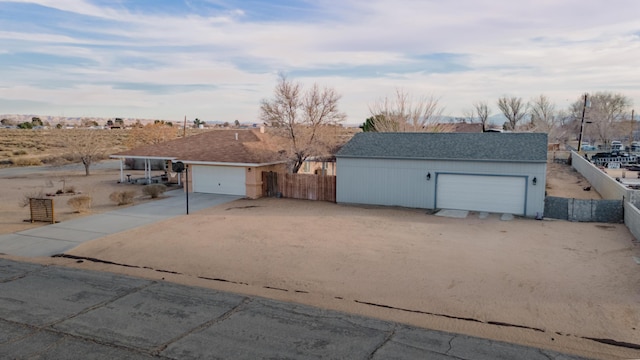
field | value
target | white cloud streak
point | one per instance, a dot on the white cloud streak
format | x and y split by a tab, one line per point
365	49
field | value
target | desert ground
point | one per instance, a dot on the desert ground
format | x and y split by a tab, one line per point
571	287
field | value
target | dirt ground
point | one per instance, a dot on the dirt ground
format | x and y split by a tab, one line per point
564	181
99	185
570	287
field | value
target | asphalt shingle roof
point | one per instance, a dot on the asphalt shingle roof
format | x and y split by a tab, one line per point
524	147
211	146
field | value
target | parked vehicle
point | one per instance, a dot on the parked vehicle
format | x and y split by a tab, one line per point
604	158
617	146
587	147
635	146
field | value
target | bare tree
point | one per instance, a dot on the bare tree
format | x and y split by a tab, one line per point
483	112
468	115
513	109
604	113
84	145
566	126
301	117
404	114
543	114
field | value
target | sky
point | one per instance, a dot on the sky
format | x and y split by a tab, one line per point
217	59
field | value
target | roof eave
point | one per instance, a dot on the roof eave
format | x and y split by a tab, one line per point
439	159
238	164
142	157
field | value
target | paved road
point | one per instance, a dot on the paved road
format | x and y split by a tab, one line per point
49	312
26	170
57	238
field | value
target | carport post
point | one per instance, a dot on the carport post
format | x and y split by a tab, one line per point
121	170
186	187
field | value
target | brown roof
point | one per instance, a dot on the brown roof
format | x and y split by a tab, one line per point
217	146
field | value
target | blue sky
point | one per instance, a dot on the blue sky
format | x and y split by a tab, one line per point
216	59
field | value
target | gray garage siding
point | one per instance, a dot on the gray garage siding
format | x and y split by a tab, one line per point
396	182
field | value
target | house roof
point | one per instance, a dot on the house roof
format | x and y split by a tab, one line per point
216	146
521	147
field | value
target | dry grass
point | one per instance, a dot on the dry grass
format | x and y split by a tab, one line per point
27	147
22	147
80	203
122	197
154	190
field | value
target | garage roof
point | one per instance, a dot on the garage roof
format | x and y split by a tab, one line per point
215	146
521	147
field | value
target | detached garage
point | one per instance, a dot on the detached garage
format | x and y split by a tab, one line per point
492	172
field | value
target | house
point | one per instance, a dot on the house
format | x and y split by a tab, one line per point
319	165
458	127
219	161
491	172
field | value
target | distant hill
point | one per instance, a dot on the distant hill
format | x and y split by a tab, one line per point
54	120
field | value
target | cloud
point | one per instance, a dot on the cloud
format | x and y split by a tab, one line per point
220	57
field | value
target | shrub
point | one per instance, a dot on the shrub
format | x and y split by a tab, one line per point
55	160
122	197
70	189
20	152
69	157
154	190
26	161
34	194
80	203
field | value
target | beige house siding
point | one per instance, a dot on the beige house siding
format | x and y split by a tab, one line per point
254	178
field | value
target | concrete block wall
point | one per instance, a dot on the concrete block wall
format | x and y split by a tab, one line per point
611	189
606	211
607	187
632	219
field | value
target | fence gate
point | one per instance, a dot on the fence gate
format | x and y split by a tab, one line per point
42	210
270	183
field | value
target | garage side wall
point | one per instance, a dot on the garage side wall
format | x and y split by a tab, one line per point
392	182
254	178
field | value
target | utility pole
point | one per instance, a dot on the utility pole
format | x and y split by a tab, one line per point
631	138
184	127
584	108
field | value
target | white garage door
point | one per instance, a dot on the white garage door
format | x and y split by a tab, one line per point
501	194
229	180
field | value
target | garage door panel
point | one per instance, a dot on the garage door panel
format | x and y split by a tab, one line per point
227	180
503	194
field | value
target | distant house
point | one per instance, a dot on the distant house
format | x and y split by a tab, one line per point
457	127
218	161
464	127
319	166
492	172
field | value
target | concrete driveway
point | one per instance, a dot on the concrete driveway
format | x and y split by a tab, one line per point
57	238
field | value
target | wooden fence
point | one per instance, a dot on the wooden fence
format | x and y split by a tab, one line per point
299	186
